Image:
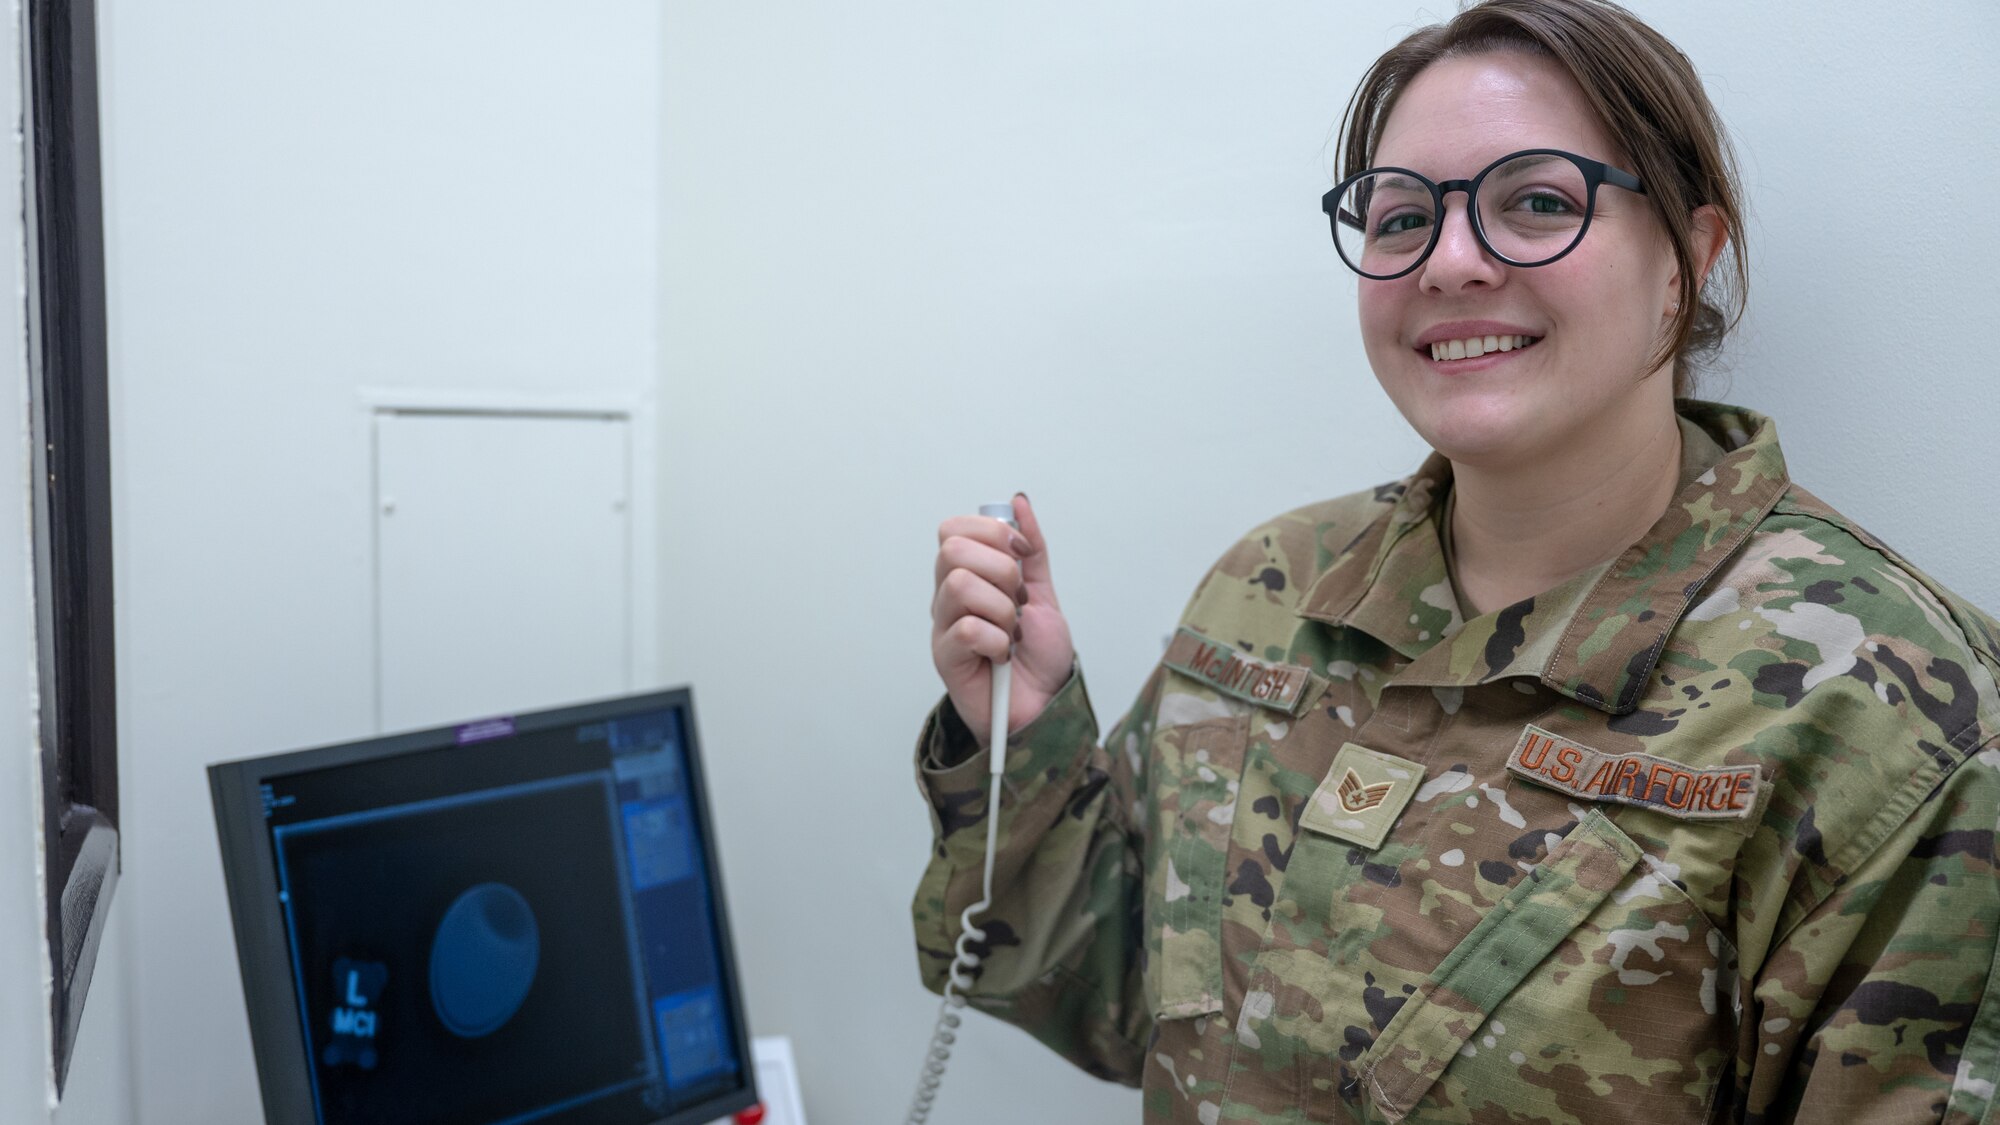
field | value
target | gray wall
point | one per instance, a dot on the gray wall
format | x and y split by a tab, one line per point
305	200
917	256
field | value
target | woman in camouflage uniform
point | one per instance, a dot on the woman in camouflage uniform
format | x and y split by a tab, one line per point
1594	772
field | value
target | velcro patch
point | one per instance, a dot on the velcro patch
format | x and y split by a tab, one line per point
1363	794
1642	780
1220	666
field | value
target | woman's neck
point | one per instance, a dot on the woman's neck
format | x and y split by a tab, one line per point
1521	529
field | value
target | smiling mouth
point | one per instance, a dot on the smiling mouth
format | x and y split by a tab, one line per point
1472	347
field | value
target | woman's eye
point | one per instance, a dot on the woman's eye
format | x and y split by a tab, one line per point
1402	224
1543	203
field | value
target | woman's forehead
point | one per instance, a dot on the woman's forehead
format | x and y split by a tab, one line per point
1461	113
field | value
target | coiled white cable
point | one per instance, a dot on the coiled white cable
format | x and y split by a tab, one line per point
964	960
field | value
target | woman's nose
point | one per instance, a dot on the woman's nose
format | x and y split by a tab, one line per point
1458	260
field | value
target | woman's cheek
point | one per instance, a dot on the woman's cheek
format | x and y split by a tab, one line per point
1381	336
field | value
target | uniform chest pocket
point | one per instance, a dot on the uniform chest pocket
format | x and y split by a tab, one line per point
1197	766
1596	987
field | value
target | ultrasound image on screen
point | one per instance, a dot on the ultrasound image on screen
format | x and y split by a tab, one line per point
468	960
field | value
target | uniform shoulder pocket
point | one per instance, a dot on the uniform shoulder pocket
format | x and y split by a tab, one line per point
1196	766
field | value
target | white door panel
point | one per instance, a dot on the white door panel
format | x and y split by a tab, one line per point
503	553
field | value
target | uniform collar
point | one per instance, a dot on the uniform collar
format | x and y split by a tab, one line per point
1595	637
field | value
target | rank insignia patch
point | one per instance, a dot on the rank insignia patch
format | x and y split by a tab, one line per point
1363	794
1643	780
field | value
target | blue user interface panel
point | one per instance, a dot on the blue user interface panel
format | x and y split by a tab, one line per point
517	927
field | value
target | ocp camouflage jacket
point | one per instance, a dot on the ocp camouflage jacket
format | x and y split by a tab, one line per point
1705	833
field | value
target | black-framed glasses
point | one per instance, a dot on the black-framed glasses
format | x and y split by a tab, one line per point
1527	208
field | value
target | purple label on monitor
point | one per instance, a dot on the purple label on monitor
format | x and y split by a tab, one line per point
485	729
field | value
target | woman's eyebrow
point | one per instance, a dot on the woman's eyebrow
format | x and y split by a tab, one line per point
1533	160
1396	181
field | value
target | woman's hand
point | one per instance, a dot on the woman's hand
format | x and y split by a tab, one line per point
993	589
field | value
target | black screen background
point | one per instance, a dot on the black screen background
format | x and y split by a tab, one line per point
376	890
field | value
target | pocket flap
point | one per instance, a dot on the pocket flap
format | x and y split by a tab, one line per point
1519	932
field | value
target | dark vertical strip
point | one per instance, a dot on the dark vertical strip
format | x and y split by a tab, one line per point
67	351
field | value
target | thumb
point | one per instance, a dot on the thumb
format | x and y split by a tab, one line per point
1035	565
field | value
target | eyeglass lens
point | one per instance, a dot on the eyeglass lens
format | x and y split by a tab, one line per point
1531	210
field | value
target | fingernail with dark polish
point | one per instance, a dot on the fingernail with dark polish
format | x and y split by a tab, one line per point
1019	546
1021	594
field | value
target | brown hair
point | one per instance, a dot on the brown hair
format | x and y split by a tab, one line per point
1648	97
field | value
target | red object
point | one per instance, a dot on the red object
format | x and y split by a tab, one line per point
750	1116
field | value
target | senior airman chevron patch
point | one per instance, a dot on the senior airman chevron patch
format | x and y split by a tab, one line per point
1649	782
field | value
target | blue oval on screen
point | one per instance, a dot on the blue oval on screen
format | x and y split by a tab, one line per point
483	959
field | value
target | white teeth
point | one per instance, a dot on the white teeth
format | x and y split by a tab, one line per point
1472	347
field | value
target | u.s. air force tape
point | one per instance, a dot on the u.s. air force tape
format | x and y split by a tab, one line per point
1280	687
1643	780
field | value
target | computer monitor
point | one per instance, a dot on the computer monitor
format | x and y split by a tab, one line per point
510	921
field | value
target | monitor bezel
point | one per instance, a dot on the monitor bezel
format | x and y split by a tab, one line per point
250	871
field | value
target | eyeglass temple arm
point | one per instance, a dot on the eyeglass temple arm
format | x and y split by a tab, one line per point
1619	178
1331	205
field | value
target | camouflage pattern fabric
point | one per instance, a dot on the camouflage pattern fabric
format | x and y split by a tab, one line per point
1706	833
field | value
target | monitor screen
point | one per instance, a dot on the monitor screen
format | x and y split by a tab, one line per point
511	921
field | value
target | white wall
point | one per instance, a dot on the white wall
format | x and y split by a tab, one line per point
303	200
916	256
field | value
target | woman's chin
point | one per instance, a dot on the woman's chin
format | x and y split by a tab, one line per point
1485	431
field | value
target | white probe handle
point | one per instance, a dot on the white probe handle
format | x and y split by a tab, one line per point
1003	683
1003	671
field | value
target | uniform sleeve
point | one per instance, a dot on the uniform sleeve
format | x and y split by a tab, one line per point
1879	1005
1061	958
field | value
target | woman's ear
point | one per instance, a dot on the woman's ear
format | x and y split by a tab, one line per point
1711	234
